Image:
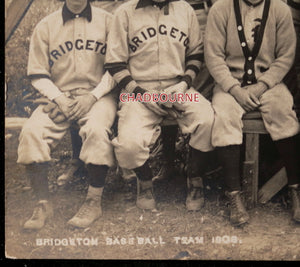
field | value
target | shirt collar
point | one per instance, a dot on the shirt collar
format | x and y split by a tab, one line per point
144	3
68	15
254	5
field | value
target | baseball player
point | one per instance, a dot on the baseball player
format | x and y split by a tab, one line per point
156	47
66	60
249	48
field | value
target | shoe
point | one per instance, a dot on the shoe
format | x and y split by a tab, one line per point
87	214
294	191
195	197
41	213
145	199
238	213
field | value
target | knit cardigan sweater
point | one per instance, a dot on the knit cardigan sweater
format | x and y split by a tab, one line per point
223	51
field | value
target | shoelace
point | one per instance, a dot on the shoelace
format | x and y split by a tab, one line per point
85	209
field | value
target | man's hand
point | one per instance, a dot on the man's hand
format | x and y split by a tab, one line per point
82	105
65	104
245	98
257	89
177	88
153	106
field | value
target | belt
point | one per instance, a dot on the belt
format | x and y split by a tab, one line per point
202	5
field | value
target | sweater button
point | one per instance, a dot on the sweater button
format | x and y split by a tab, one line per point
243	44
240	28
249	58
249	71
249	82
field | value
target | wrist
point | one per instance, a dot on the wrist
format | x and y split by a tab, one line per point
234	89
139	90
188	80
263	85
93	97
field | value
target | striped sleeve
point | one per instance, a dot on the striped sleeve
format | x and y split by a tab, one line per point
194	53
117	52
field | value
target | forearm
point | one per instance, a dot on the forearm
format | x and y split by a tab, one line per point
47	88
105	86
122	76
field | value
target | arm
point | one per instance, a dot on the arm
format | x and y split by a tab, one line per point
39	70
117	53
194	57
284	50
105	86
214	49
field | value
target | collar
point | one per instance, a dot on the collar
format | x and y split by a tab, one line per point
254	5
68	15
144	3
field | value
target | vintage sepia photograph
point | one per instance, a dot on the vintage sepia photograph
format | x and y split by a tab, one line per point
152	129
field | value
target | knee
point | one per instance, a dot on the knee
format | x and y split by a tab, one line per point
29	130
128	147
208	119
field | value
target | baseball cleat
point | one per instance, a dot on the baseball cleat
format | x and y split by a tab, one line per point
238	213
41	213
87	214
294	191
195	197
145	199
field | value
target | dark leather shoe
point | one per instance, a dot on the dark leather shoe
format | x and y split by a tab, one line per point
238	213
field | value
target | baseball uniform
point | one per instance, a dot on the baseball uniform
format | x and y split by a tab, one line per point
152	47
68	51
246	44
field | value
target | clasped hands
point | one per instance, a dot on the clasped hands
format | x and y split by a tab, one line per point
175	109
74	108
248	96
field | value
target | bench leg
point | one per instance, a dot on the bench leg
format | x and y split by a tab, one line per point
250	169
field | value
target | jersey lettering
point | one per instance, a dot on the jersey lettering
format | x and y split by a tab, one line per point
151	32
79	44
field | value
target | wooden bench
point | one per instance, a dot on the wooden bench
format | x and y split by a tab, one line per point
253	127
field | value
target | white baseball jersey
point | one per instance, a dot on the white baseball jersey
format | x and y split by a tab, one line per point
70	51
154	43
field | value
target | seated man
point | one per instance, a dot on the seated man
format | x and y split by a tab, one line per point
156	47
249	48
65	64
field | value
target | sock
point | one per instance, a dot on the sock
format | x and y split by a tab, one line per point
144	173
229	157
38	176
97	174
94	193
76	141
196	163
289	151
169	134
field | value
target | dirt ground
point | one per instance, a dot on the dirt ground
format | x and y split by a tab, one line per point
125	232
